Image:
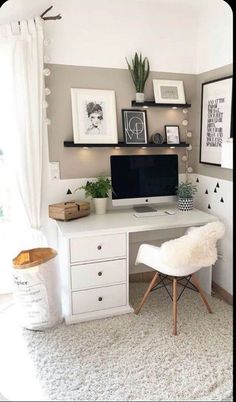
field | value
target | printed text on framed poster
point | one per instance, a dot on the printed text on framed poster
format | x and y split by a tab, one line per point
215	119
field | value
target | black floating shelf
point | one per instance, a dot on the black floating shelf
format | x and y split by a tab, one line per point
71	144
152	103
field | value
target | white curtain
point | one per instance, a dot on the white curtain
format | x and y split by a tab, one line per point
22	127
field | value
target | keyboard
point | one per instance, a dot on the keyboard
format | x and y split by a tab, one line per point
144	209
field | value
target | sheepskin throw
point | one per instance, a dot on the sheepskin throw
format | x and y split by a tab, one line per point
195	249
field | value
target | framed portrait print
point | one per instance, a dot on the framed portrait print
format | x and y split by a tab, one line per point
94	116
216	113
172	134
169	91
135	126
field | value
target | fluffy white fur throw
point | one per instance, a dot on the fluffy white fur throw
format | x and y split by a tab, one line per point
195	249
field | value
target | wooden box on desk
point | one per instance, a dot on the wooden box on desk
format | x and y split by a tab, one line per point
65	211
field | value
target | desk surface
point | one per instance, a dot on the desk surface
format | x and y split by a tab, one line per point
121	221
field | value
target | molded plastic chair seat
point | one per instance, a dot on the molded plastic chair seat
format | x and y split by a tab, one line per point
151	256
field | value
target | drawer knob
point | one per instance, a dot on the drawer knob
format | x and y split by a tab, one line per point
99	247
100	299
100	273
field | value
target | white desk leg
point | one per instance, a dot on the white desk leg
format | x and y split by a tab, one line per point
205	278
128	264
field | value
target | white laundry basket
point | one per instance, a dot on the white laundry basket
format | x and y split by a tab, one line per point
37	290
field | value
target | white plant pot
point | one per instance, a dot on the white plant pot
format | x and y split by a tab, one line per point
185	204
100	205
139	97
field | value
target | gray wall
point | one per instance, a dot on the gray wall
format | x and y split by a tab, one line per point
209	170
78	163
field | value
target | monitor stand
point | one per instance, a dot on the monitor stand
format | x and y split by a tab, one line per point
145	211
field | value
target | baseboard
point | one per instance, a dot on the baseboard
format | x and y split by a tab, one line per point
226	296
141	276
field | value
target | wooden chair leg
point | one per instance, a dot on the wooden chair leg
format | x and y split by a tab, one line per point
152	284
174	295
196	283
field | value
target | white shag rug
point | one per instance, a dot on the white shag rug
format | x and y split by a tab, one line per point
136	358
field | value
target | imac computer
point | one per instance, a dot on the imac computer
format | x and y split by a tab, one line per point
140	180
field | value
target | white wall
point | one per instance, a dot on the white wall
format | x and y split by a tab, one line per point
181	36
223	269
103	34
215	36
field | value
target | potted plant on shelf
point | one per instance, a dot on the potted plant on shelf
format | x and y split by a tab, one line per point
185	194
139	70
98	190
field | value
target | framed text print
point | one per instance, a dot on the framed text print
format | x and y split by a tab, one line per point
94	116
216	113
135	126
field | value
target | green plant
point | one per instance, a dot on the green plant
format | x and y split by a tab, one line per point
139	71
186	190
97	189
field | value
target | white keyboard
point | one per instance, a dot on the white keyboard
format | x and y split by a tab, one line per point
152	213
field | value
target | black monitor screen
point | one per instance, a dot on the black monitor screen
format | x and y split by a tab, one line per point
136	176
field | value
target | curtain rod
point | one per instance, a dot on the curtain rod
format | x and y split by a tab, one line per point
54	17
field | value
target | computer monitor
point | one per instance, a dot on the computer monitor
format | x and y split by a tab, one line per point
143	179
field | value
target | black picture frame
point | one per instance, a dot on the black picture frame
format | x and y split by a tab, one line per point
172	134
135	127
215	110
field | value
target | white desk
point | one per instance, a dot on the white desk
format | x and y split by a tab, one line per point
94	259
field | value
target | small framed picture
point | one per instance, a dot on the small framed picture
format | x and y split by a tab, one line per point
135	126
169	91
94	116
216	119
172	135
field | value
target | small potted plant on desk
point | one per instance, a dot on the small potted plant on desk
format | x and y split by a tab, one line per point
185	194
98	190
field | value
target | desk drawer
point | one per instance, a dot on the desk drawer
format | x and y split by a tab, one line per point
98	274
85	301
97	247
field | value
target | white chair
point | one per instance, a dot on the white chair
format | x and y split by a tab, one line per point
178	260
